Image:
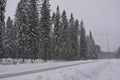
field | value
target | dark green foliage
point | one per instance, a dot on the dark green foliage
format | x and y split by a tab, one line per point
74	35
35	34
57	36
32	32
9	39
83	42
118	53
91	46
21	25
66	50
45	40
2	26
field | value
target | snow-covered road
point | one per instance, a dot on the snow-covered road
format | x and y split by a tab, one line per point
41	69
89	70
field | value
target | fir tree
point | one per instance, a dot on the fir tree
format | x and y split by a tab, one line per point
9	39
75	38
83	43
45	40
32	32
53	18
74	35
21	25
2	25
57	35
65	37
91	47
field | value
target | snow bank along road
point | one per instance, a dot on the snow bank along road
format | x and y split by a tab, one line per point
35	68
76	70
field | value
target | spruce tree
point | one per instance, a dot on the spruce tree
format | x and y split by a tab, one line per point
83	43
53	19
21	25
32	32
57	35
9	39
2	25
66	51
91	47
45	40
74	35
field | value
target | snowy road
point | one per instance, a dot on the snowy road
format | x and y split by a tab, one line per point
108	69
44	69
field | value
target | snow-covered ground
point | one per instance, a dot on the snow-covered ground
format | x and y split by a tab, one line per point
91	70
28	66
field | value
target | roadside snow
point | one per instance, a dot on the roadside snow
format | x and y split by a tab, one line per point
97	70
9	69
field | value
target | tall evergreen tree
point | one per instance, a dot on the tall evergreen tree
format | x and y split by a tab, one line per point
51	34
32	32
83	42
65	37
21	25
45	40
9	39
91	47
74	35
57	35
53	19
2	25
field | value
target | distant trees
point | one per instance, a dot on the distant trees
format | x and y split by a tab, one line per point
118	53
91	46
34	33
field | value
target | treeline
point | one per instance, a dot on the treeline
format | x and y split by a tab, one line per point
118	53
35	33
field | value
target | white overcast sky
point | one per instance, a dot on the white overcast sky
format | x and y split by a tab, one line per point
100	16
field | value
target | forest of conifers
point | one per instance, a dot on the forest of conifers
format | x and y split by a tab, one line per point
37	33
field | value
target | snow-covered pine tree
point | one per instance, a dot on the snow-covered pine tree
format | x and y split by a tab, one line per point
2	25
66	50
44	31
98	50
91	47
21	25
53	19
51	34
9	39
74	35
52	24
32	32
57	35
83	42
